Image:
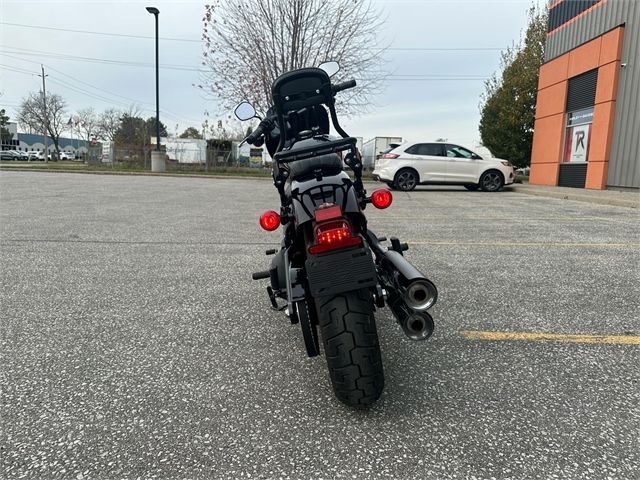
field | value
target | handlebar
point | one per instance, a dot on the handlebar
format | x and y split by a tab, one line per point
265	125
343	86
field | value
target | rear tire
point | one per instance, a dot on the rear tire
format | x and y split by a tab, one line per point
406	179
351	345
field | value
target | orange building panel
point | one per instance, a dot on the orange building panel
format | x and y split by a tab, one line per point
584	58
544	174
611	48
554	71
548	139
597	175
607	87
602	132
551	100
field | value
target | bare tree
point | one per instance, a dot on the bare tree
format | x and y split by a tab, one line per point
31	115
87	123
108	123
249	44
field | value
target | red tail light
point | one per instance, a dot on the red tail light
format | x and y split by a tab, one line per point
333	235
381	198
270	220
389	155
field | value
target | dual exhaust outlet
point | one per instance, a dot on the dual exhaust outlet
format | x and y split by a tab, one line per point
410	309
410	294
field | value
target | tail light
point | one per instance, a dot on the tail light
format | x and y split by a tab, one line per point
270	220
389	156
381	198
333	235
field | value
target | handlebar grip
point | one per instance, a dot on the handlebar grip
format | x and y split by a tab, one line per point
344	86
253	136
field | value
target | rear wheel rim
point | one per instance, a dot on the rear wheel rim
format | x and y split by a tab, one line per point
406	181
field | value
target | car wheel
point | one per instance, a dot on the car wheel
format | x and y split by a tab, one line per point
406	180
491	181
472	186
391	185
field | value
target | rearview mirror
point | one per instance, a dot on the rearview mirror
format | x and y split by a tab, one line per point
245	111
331	68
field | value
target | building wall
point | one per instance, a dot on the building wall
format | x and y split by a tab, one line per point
30	142
605	35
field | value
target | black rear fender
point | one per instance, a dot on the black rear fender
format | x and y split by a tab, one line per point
307	195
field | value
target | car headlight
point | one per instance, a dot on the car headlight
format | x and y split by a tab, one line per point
507	164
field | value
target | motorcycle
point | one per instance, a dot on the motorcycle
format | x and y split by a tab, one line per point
331	271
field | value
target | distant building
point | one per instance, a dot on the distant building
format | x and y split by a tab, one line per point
588	107
30	142
13	143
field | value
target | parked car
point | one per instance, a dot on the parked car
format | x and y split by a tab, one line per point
8	155
23	155
439	163
67	156
14	155
34	155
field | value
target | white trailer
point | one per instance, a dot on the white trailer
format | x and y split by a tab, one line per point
372	148
184	150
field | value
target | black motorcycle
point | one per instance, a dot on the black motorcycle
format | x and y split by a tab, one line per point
331	270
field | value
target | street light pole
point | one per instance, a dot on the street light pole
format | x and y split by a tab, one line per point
155	13
158	158
46	122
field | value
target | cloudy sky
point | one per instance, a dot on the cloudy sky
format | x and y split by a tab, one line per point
93	55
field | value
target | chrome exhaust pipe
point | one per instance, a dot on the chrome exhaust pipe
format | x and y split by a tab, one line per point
420	294
415	325
395	271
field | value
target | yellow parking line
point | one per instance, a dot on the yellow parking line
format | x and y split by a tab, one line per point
551	337
529	244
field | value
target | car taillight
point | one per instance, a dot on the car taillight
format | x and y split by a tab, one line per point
389	155
381	198
333	235
270	220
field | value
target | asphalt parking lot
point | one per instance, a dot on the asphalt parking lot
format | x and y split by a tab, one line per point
135	345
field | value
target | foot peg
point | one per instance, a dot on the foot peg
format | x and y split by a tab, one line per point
397	246
261	275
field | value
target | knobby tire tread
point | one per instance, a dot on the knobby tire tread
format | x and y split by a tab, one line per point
351	345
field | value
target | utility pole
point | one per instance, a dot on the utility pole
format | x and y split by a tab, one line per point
44	99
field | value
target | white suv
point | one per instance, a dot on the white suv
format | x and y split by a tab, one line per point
439	163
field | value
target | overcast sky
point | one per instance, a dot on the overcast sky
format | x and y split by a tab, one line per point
422	109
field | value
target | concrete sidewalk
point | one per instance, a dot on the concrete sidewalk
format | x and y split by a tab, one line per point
618	198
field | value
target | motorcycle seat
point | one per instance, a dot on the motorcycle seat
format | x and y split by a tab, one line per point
308	165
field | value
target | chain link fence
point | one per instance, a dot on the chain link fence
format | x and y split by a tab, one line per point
139	158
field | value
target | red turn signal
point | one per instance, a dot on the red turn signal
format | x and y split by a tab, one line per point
381	198
270	221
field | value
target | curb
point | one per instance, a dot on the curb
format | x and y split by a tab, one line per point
577	197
